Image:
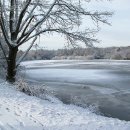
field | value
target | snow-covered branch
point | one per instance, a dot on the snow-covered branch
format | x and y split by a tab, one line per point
26	52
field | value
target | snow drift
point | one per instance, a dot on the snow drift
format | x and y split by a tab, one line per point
19	111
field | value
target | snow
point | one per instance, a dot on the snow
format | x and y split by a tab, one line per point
57	63
113	75
69	74
19	111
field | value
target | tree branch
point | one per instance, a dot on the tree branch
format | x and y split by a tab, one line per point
26	52
22	15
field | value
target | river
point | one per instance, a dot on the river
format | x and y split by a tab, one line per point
104	84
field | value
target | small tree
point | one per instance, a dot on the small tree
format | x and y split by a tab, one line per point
22	21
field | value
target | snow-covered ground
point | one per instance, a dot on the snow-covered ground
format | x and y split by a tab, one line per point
22	112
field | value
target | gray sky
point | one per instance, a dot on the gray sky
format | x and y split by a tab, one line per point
118	33
115	35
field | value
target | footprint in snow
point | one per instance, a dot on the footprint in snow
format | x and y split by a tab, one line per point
10	126
8	109
1	126
17	113
20	123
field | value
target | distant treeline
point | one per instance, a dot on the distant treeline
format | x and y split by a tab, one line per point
118	53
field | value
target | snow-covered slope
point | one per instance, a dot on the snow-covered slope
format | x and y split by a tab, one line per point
22	112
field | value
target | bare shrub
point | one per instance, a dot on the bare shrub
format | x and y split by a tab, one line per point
39	91
82	102
117	56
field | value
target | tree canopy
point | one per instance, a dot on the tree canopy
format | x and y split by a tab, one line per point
22	21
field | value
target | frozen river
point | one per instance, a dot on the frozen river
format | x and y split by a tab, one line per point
102	83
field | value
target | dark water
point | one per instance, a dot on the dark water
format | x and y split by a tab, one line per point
104	84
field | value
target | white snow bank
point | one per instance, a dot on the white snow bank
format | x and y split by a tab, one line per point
22	112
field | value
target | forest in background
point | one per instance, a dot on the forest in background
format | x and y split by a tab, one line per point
113	53
117	53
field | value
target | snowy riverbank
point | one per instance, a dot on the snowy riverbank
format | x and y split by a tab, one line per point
22	112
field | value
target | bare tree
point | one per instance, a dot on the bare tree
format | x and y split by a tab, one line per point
22	21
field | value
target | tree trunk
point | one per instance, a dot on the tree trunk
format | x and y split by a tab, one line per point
11	64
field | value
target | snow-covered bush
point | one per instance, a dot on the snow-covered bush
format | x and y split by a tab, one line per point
33	90
127	56
82	102
117	56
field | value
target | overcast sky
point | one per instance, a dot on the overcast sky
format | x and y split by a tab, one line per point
118	34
